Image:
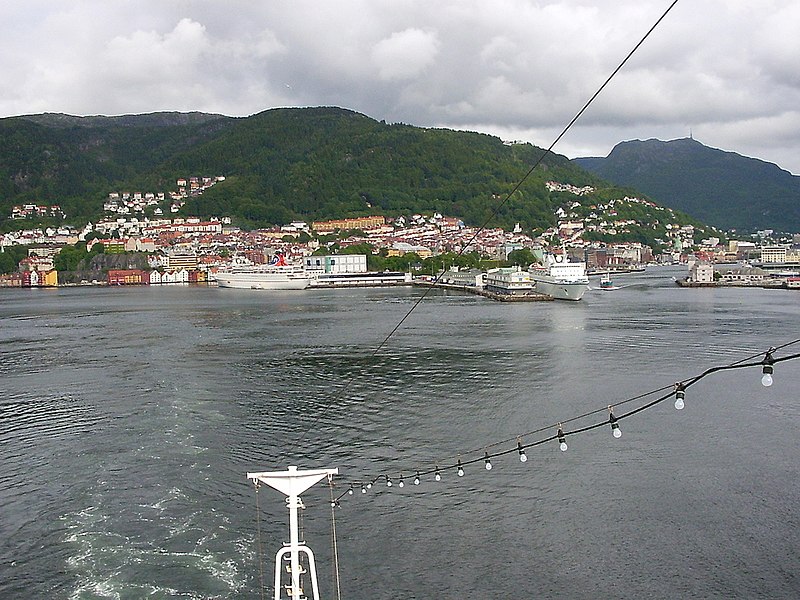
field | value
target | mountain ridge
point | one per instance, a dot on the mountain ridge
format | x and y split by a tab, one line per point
722	188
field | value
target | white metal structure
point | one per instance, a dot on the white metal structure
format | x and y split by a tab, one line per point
292	483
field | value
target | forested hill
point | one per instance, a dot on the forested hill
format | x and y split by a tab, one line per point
281	165
721	188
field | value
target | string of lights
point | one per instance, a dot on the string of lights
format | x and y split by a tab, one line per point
764	359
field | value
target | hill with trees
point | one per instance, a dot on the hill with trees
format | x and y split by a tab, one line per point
282	165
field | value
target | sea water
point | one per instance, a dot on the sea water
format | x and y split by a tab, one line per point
129	417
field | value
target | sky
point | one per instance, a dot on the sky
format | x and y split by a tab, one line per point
726	72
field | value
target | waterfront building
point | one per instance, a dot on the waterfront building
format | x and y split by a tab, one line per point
700	272
509	280
337	263
464	277
773	254
742	275
127	277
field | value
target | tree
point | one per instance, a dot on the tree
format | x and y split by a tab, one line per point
522	257
69	257
10	257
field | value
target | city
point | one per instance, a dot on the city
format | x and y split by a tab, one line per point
186	249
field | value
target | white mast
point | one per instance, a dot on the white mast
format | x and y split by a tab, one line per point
292	483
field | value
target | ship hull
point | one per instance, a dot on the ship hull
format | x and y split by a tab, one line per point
560	290
262	281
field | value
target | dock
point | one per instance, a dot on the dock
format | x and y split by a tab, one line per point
526	297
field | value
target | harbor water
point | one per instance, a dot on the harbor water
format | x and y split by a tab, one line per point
129	417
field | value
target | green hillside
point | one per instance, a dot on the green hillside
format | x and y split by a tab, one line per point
281	165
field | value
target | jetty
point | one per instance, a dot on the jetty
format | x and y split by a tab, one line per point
527	296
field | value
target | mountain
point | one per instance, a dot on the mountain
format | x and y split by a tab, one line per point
721	188
286	164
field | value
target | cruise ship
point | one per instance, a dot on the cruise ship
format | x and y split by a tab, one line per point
277	275
559	278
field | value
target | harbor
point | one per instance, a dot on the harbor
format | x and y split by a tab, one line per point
126	465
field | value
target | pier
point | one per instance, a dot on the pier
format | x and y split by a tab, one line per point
524	297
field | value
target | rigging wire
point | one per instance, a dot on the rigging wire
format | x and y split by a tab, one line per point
483	226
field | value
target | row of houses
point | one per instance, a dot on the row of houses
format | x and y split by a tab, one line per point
154	277
49	278
28	211
30	279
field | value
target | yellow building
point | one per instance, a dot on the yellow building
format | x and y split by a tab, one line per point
402	248
357	223
48	278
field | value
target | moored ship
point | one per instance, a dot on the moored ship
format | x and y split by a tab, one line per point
559	278
277	275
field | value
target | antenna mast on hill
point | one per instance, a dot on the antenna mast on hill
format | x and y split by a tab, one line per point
292	483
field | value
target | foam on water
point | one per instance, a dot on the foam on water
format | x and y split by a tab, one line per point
182	554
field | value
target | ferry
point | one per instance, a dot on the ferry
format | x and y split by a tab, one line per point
277	275
559	278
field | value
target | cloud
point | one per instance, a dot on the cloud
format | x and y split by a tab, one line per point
405	54
148	57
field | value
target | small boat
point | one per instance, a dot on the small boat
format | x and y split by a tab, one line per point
606	284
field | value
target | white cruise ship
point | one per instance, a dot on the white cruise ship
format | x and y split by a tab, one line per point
277	275
560	278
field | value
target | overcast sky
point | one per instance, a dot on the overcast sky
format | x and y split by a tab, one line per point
726	70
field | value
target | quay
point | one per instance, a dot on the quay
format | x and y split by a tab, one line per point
525	297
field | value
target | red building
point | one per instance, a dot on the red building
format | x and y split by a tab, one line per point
128	277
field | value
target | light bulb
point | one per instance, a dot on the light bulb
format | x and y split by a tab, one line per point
615	430
369	486
766	379
416	479
768	369
522	456
401	483
350	491
333	504
438	476
563	446
679	396
388	481
460	469
363	490
487	461
562	441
